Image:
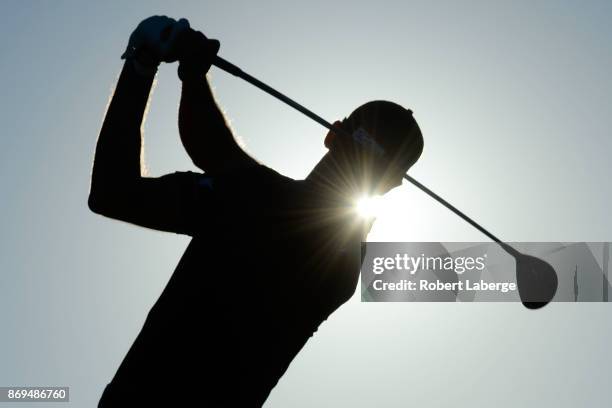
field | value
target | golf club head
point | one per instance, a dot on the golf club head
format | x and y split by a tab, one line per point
536	280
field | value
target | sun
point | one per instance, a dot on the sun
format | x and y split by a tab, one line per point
368	206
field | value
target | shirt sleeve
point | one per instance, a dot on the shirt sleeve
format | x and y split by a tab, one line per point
175	202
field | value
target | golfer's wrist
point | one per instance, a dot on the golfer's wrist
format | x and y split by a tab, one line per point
136	75
143	62
141	69
190	73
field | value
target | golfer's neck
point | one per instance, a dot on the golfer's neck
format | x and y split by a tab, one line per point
332	177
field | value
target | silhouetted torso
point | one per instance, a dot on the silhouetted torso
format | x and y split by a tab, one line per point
270	259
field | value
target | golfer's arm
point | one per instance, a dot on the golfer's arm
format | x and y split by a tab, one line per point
118	189
202	125
117	158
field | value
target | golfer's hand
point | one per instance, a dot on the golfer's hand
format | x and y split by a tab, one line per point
154	40
196	54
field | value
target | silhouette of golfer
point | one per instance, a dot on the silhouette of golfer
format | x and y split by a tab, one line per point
270	257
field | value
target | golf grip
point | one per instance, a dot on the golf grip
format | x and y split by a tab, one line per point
234	70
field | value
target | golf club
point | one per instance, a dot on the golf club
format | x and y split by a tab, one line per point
536	279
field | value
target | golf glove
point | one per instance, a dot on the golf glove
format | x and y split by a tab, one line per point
154	40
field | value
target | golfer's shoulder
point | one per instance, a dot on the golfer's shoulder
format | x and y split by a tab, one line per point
261	179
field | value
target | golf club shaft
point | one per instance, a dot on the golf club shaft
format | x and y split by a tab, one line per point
234	70
453	209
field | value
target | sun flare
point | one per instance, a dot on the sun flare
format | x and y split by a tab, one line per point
368	207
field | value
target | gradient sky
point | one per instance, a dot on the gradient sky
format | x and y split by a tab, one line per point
514	100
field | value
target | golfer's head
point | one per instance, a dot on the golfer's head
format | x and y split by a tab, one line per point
379	143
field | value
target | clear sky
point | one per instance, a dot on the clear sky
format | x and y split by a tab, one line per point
514	100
